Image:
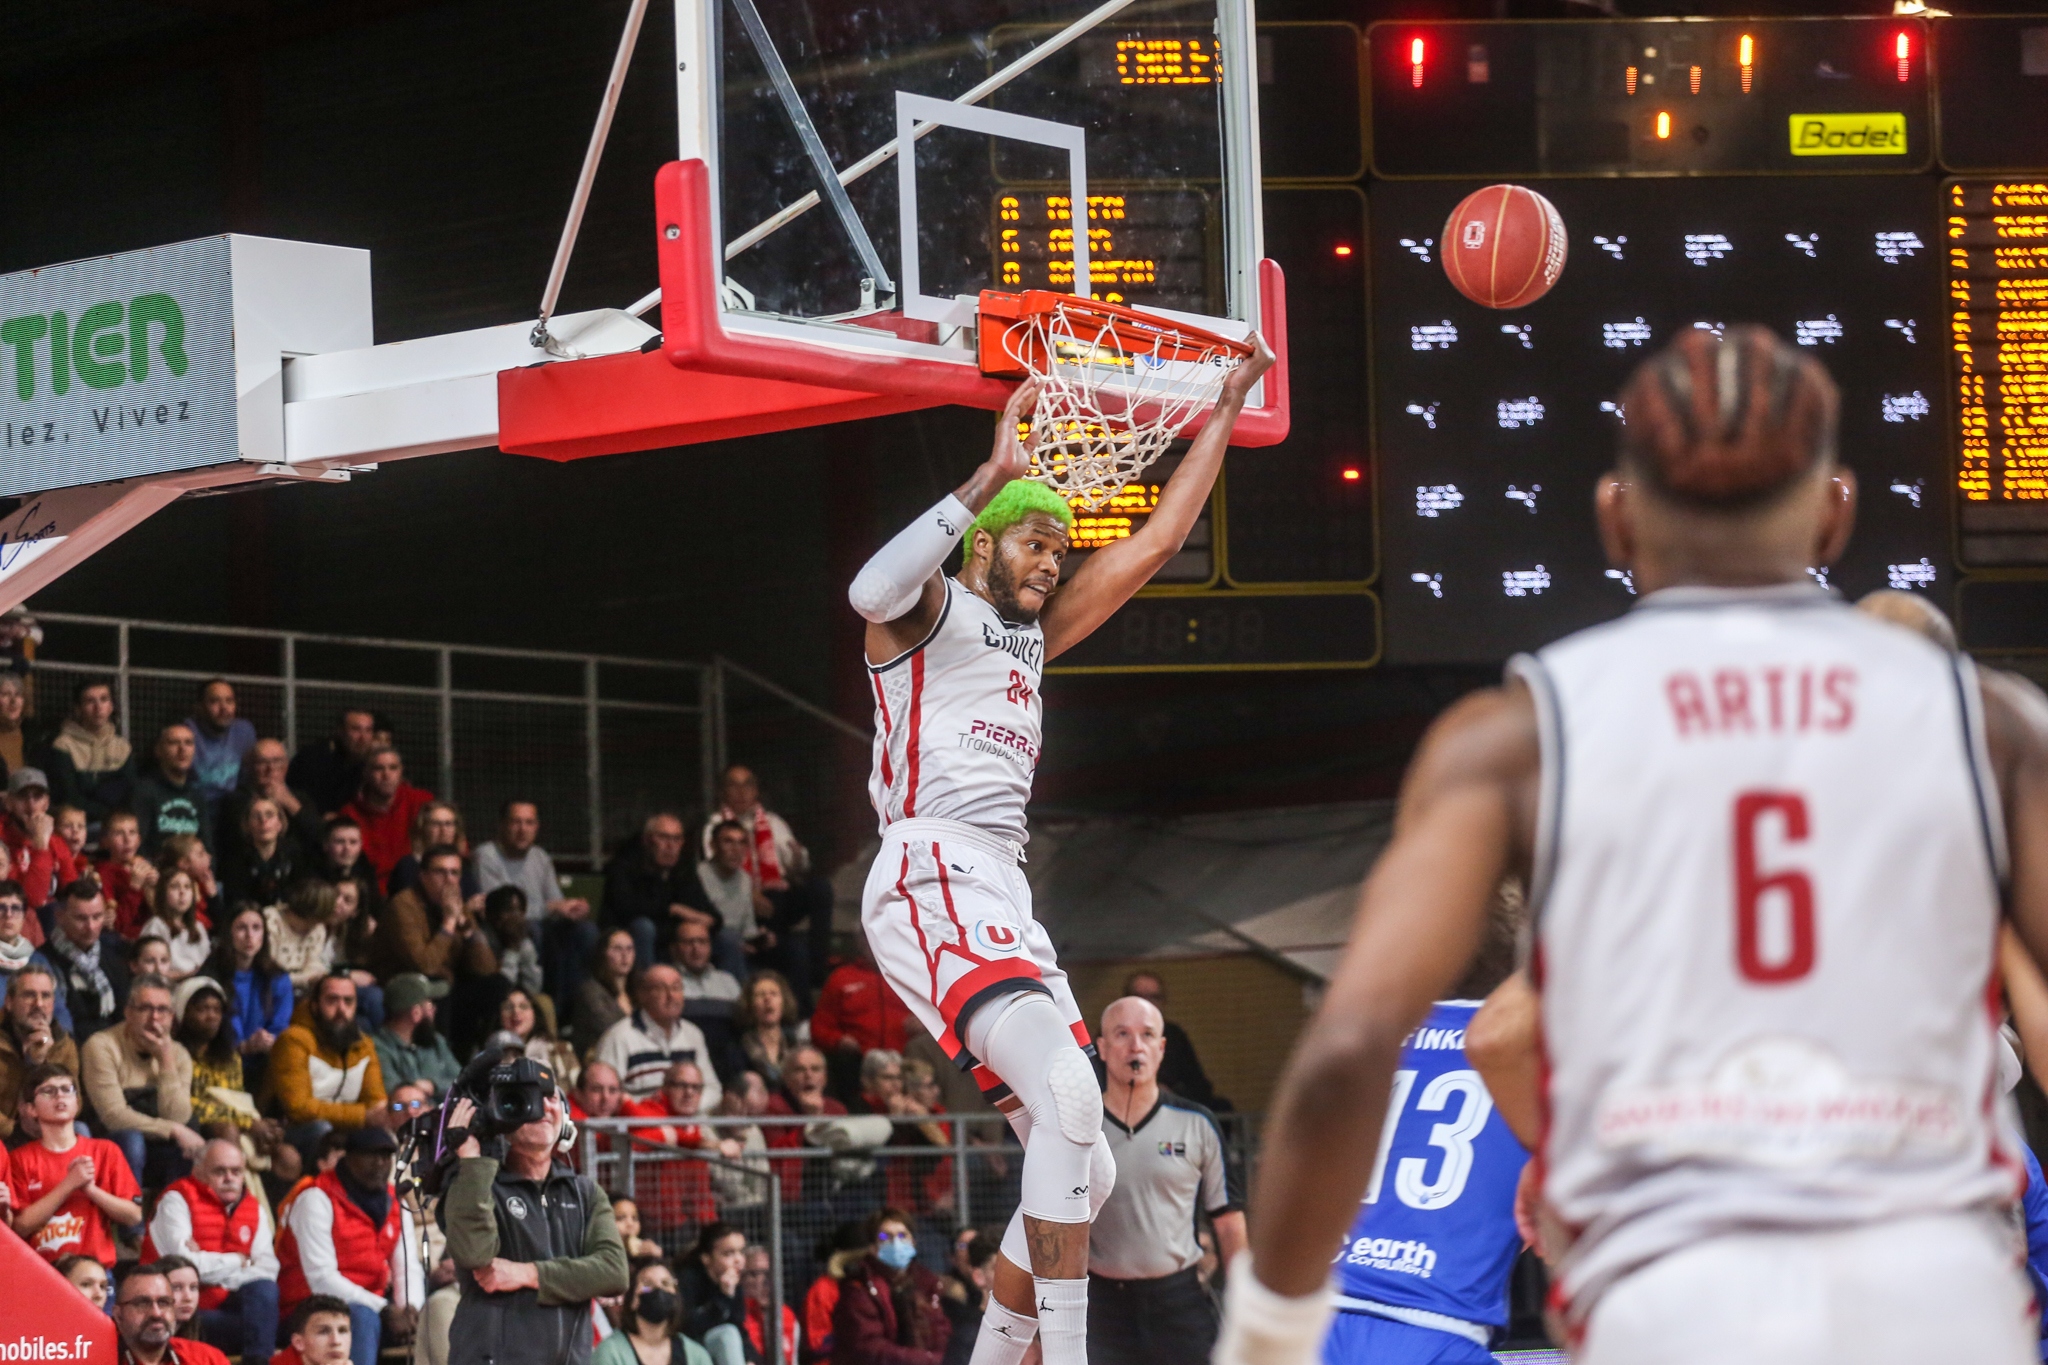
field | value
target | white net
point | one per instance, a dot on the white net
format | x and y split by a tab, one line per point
1112	395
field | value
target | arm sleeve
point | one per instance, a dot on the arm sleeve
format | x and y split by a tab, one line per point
889	584
312	1226
601	1269
469	1214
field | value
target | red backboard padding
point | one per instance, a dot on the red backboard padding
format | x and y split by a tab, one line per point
42	1318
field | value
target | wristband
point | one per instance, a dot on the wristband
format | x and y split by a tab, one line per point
1261	1327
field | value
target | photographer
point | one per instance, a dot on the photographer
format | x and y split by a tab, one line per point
533	1242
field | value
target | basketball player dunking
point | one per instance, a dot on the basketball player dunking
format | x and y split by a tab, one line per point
1767	838
955	664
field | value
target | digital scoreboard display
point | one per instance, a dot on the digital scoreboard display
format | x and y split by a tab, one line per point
1995	248
1492	427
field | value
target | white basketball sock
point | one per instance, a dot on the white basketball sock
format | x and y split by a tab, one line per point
1062	1320
1005	1336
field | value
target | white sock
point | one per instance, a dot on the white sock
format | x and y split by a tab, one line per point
1005	1336
1062	1320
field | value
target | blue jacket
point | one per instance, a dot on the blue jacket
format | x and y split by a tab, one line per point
259	1004
217	763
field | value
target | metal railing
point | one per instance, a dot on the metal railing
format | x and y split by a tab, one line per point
598	740
795	1196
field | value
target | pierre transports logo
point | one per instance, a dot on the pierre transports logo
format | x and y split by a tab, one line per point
104	347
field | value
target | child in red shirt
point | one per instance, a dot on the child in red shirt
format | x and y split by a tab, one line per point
128	880
67	1189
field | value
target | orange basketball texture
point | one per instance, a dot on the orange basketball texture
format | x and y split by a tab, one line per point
1504	246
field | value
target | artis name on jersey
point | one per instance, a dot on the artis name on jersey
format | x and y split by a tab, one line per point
1028	650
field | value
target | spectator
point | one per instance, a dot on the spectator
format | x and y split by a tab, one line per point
1181	1072
168	799
729	885
890	1308
881	1083
200	1006
187	854
437	823
511	938
16	952
714	1312
149	957
326	1071
857	1013
597	1096
349	937
32	1036
848	1243
319	1333
298	927
258	990
649	889
522	1017
264	861
342	853
263	777
128	878
409	1047
145	1319
780	865
682	1097
967	1284
802	1094
138	1079
431	930
87	1276
212	1219
646	1043
606	995
347	1234
184	1278
647	1332
386	808
67	1191
221	740
331	769
959	1093
755	1284
746	1097
767	1024
561	923
13	703
626	1214
1146	1301
90	764
92	972
70	823
42	861
175	919
709	995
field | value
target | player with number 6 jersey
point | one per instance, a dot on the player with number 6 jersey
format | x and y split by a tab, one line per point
1768	842
955	665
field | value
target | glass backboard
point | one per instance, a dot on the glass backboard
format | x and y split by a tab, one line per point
1131	124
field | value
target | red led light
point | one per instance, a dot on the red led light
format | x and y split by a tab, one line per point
1902	48
1415	62
1343	250
1663	126
1352	475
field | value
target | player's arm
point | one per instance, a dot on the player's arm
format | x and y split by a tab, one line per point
1423	911
2026	991
899	592
2016	733
1466	818
1501	1044
1119	569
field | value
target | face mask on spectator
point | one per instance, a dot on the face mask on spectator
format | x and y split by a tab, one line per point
656	1305
897	1252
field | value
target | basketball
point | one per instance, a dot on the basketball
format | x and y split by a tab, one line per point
1503	246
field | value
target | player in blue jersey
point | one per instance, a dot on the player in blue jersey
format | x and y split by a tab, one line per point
1422	1279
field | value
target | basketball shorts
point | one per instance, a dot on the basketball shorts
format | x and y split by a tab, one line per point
1362	1339
947	913
1903	1292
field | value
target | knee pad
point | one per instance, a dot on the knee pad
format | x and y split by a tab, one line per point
1101	1175
1076	1098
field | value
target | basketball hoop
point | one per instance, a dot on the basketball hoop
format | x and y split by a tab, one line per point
1116	385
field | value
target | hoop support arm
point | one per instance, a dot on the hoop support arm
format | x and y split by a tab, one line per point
694	336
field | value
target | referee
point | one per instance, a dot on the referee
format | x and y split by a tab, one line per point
1145	1304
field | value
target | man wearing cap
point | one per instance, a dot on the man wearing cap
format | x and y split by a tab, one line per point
38	856
409	1047
346	1234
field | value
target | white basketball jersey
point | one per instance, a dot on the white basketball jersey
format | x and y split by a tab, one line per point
1767	891
957	721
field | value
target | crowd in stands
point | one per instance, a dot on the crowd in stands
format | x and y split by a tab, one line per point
236	976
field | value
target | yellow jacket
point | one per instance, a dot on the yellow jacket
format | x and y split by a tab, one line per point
314	1082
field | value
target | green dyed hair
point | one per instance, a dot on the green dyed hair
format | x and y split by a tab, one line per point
1016	500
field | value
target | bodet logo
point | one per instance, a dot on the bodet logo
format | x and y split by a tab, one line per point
1849	134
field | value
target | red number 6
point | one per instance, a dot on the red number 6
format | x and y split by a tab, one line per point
1751	886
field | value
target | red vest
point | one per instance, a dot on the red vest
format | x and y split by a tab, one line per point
214	1229
363	1251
